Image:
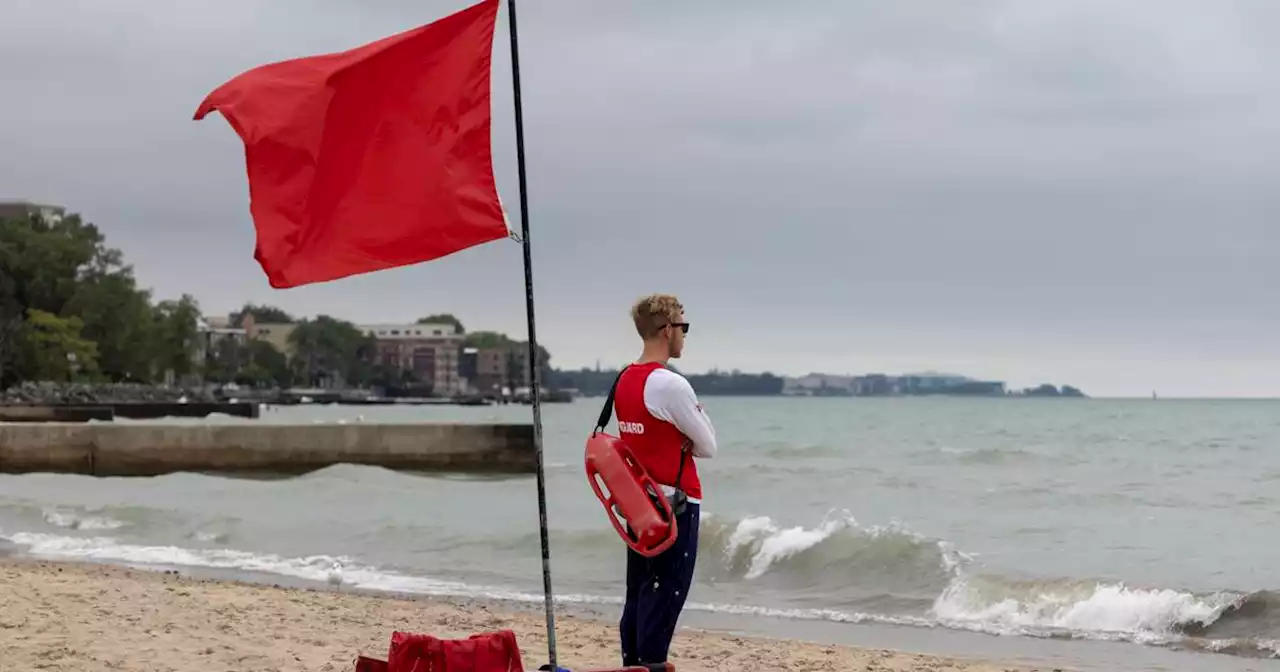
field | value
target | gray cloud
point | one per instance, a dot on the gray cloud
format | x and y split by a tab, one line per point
1015	188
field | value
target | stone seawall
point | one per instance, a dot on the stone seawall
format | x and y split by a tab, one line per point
149	450
133	410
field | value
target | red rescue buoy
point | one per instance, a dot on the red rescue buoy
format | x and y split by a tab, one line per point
634	502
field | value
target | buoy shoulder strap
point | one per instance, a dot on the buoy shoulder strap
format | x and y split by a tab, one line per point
606	414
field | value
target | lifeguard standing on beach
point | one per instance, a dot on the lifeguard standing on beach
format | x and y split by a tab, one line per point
661	420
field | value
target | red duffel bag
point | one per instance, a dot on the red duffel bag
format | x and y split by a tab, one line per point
487	652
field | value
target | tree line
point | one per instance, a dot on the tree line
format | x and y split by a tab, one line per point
71	310
596	382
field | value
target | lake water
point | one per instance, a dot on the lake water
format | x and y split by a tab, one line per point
1148	523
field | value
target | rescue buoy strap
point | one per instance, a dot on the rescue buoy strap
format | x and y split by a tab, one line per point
607	412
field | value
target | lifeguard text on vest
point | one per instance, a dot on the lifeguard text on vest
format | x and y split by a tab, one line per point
631	427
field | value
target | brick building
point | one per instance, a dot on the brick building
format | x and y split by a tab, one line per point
431	352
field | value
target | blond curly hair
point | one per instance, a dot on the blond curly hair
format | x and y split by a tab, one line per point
653	312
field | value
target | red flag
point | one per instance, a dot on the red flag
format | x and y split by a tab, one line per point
372	158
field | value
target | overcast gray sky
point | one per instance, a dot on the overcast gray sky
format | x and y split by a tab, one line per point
1070	191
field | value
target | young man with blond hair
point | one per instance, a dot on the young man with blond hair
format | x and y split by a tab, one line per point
661	421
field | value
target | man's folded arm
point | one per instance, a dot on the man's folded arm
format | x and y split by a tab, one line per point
670	397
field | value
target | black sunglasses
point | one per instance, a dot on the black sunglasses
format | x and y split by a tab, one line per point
682	326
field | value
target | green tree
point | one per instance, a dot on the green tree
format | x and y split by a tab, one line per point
270	365
177	335
261	314
515	352
119	318
253	363
12	317
44	264
12	326
55	349
494	339
224	361
487	339
443	318
45	260
333	351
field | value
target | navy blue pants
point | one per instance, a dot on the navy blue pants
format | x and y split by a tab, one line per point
656	591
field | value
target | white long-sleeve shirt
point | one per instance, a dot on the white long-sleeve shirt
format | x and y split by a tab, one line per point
669	396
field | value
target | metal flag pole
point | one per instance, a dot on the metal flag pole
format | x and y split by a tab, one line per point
535	376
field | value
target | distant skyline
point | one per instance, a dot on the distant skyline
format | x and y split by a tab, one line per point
1022	190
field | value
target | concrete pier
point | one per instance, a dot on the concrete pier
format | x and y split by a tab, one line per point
55	413
150	450
138	410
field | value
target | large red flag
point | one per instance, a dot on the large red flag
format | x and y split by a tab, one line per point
371	158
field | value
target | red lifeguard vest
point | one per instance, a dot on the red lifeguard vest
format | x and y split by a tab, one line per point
632	497
656	443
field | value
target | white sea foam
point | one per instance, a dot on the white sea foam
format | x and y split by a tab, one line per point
981	603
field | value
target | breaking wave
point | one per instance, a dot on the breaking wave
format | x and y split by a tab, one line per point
835	570
864	569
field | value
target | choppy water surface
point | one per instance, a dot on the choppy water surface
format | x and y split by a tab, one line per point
1139	521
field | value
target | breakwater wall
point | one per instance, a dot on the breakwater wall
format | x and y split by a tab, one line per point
150	450
136	410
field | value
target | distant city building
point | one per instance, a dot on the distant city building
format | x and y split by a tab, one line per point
213	332
21	209
430	352
876	385
275	333
501	368
817	384
884	385
468	364
432	355
217	329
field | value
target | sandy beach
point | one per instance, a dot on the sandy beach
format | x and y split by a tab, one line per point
69	617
